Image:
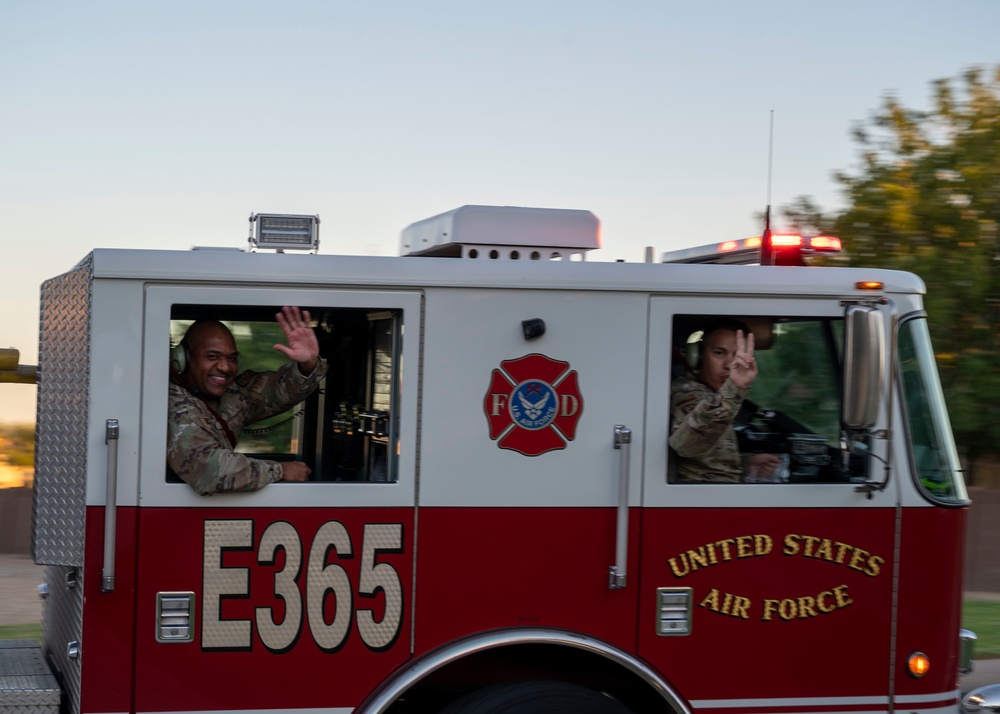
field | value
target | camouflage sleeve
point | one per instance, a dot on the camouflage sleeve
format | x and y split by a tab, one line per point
701	417
198	451
268	393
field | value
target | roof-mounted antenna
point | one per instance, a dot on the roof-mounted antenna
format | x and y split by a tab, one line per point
766	255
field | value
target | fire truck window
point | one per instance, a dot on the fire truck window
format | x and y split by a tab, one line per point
798	374
792	411
346	430
936	463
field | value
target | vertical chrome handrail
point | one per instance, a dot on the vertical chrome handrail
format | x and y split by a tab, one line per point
110	506
617	575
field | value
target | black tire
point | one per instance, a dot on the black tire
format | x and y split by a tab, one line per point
535	698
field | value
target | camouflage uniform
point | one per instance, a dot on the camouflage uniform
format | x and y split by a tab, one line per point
198	449
701	431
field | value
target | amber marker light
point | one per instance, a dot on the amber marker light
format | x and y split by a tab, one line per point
752	242
826	244
869	285
918	665
728	246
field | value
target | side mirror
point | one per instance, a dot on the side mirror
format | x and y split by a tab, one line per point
864	365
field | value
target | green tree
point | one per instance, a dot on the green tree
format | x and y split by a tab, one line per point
926	199
19	444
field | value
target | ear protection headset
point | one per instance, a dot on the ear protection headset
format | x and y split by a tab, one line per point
693	349
180	357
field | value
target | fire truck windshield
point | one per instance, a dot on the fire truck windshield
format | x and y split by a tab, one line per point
935	463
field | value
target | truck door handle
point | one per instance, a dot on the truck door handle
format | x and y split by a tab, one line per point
110	506
617	573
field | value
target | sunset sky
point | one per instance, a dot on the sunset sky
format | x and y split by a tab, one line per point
163	125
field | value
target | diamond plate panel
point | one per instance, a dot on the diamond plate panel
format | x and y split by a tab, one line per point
61	422
26	685
62	623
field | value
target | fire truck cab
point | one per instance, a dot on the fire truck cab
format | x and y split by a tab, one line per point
494	520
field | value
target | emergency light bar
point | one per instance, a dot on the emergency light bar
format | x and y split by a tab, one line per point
283	231
787	249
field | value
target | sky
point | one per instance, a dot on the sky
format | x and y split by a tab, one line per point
164	125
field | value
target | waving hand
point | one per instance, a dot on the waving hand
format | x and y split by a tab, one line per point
302	345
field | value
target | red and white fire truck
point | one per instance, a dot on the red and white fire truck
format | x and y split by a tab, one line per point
493	522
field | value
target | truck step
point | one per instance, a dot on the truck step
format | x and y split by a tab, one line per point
26	684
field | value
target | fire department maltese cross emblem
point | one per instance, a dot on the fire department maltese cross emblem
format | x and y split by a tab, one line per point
533	404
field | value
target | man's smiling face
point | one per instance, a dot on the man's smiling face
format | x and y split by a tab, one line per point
214	361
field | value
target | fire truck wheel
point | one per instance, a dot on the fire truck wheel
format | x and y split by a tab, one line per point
542	697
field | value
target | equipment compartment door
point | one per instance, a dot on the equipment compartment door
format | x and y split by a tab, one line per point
761	594
299	595
519	477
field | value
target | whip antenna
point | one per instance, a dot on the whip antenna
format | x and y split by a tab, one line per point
766	256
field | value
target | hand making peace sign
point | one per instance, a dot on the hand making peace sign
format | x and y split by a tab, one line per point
743	370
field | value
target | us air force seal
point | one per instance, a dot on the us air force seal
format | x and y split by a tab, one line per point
533	404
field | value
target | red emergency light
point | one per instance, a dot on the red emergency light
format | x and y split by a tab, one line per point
786	241
791	248
785	249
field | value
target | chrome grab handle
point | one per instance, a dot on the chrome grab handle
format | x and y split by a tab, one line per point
617	576
110	506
